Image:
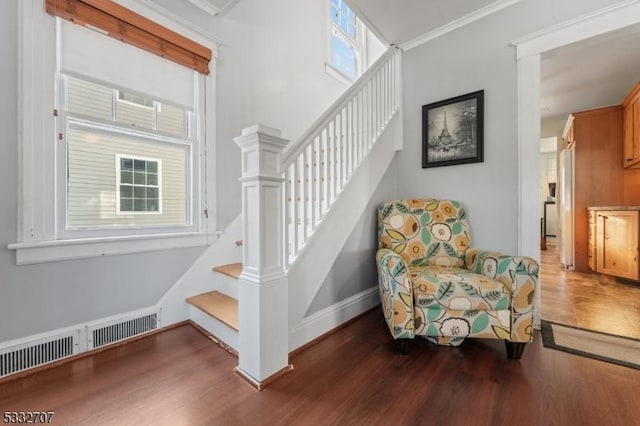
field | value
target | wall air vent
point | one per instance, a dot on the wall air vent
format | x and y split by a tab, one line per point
19	358
102	334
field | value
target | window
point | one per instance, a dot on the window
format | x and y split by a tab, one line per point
113	154
128	159
139	189
346	40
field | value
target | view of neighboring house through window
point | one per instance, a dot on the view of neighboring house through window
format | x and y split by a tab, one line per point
128	158
139	185
346	40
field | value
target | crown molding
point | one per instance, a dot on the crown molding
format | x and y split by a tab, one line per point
591	24
458	23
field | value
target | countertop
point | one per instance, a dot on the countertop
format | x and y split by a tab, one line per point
624	208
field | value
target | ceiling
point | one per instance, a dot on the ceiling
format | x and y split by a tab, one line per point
398	22
593	73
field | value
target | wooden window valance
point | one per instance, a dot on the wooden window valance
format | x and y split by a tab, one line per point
132	28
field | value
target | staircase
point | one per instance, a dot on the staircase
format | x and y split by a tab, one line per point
289	192
217	311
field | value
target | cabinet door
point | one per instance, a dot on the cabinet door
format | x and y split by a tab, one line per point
591	241
617	243
627	135
636	130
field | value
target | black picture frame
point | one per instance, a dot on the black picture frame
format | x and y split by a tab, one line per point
453	131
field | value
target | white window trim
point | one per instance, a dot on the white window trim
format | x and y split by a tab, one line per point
118	184
38	233
359	44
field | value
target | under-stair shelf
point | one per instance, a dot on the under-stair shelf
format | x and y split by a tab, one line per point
233	269
219	306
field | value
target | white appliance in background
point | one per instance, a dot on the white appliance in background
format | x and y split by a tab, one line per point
564	199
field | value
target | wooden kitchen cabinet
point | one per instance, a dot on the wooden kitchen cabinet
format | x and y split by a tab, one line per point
616	242
631	129
591	241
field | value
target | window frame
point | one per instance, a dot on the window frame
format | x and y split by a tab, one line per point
359	45
40	237
119	184
65	120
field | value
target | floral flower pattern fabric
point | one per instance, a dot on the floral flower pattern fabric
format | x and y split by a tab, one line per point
457	288
432	284
425	231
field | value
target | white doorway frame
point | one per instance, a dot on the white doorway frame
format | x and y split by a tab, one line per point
528	51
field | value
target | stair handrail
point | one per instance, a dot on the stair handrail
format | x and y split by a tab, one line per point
295	148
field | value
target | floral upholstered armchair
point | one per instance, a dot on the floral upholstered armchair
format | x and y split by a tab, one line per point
434	285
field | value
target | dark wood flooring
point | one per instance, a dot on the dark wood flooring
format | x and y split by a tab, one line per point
353	377
591	301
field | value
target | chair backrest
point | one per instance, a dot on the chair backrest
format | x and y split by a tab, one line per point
425	231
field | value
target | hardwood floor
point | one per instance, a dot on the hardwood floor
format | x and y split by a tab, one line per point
591	301
353	377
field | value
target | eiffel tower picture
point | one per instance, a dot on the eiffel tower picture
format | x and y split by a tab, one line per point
452	131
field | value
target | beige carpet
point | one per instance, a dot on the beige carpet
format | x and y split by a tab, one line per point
605	347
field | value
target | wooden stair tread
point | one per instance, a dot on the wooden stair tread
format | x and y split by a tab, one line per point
233	269
218	305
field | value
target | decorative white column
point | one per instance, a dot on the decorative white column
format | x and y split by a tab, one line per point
263	289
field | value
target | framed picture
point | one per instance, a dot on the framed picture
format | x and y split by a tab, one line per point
452	131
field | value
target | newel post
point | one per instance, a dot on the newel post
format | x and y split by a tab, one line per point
263	290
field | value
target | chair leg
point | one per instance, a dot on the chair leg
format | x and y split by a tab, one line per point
514	349
404	346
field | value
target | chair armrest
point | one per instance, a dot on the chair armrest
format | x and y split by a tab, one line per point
396	293
520	275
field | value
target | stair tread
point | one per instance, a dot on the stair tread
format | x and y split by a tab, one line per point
218	305
233	269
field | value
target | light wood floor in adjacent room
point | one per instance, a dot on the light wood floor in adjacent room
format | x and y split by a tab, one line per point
353	377
591	301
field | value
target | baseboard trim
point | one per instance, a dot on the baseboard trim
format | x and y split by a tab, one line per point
317	325
260	385
88	353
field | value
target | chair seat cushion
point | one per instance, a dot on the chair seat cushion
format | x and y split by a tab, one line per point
457	288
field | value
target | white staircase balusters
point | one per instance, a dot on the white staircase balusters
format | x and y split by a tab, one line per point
319	164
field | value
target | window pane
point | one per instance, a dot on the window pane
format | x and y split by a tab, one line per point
139	192
152	167
90	99
134	114
152	205
92	201
171	119
139	165
335	14
126	177
126	204
152	179
343	57
139	178
126	164
126	191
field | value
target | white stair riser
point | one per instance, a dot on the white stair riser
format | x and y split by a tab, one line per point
218	329
225	284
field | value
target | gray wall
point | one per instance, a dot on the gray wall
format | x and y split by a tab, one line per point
355	268
47	296
477	56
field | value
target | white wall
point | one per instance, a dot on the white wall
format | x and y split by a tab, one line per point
270	71
477	56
